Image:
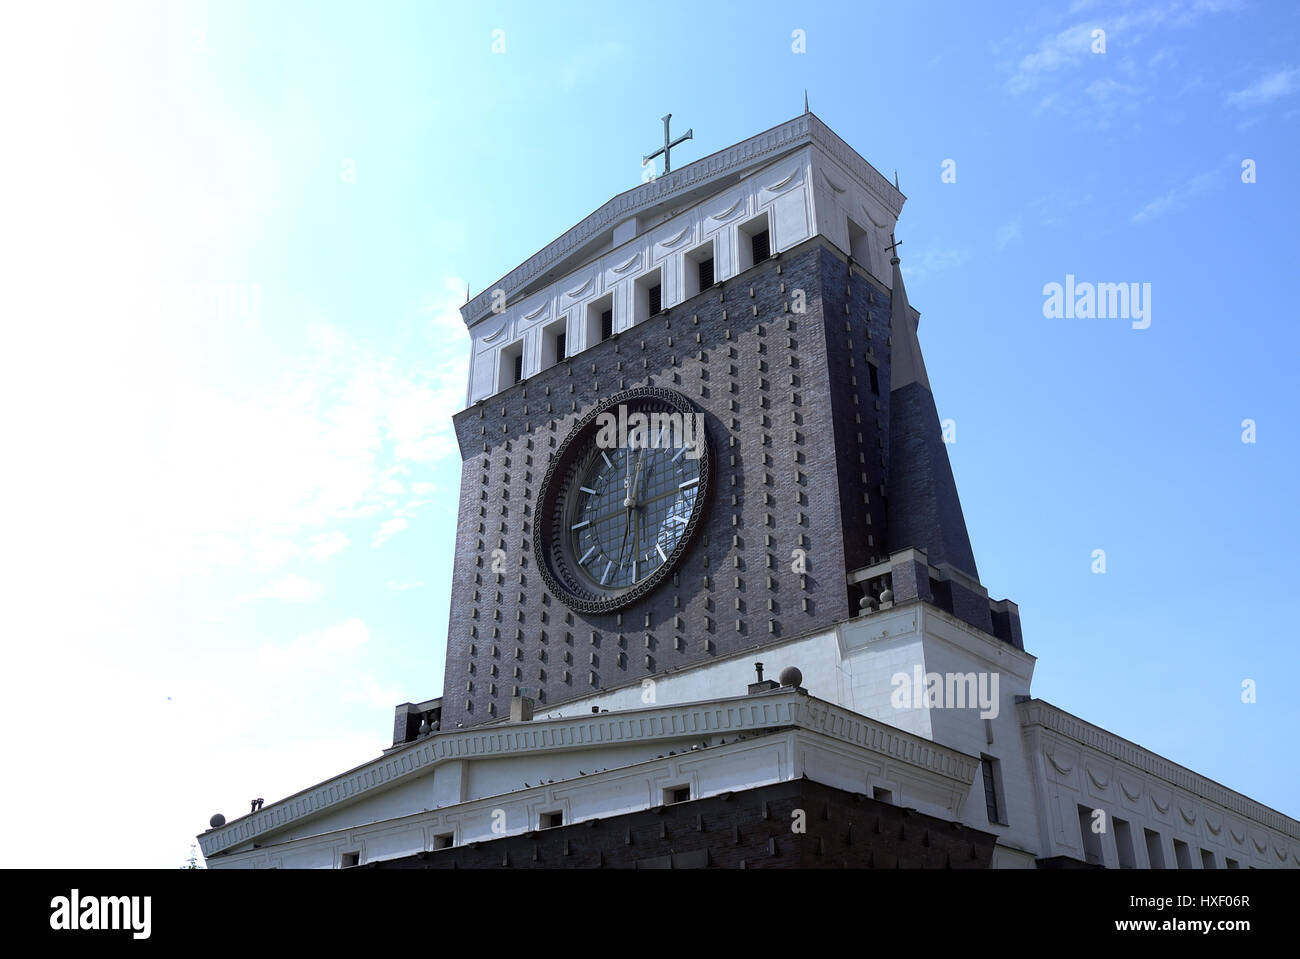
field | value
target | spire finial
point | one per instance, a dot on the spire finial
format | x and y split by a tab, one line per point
805	100
896	186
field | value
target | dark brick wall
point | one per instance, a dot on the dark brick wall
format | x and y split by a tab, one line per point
749	829
971	607
784	444
927	512
855	313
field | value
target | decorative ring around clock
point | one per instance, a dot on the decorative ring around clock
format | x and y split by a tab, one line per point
558	503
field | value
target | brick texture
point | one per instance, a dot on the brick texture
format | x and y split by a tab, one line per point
749	829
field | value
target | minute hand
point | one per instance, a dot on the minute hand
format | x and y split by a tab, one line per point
636	479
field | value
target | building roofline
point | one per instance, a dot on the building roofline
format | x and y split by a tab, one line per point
785	707
754	151
1039	712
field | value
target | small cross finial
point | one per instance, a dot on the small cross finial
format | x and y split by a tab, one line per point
668	145
893	245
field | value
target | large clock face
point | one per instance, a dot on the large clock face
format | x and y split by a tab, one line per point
622	498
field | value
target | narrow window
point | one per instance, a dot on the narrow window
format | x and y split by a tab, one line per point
676	794
697	269
705	273
1231	863
1207	860
1124	844
859	245
1091	840
511	370
993	804
875	379
549	820
647	296
1182	854
553	342
754	243
606	324
1155	854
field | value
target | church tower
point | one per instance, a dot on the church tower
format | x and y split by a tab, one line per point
700	443
755	289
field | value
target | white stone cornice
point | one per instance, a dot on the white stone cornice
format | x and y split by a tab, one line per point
852	727
778	709
755	151
1037	712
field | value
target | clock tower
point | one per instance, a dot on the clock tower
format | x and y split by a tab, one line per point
699	440
747	311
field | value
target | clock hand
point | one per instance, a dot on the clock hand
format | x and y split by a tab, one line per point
636	545
627	483
636	480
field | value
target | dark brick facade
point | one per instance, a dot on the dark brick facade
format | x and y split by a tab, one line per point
799	439
921	477
749	829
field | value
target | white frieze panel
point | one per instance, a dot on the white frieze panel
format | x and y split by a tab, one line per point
1062	764
579	288
1162	806
1131	792
790	220
484	376
1098	779
533	312
405	840
676	239
723	210
496	334
780	179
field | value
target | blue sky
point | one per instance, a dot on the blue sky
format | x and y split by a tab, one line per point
237	236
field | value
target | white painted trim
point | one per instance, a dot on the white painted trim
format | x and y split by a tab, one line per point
780	708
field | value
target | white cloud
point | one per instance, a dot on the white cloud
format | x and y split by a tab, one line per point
934	261
270	553
290	589
1108	89
315	650
388	530
1281	83
589	63
1176	198
327	441
1006	234
1067	48
324	545
403	587
1065	51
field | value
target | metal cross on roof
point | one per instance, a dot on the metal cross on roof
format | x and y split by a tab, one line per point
894	245
668	145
